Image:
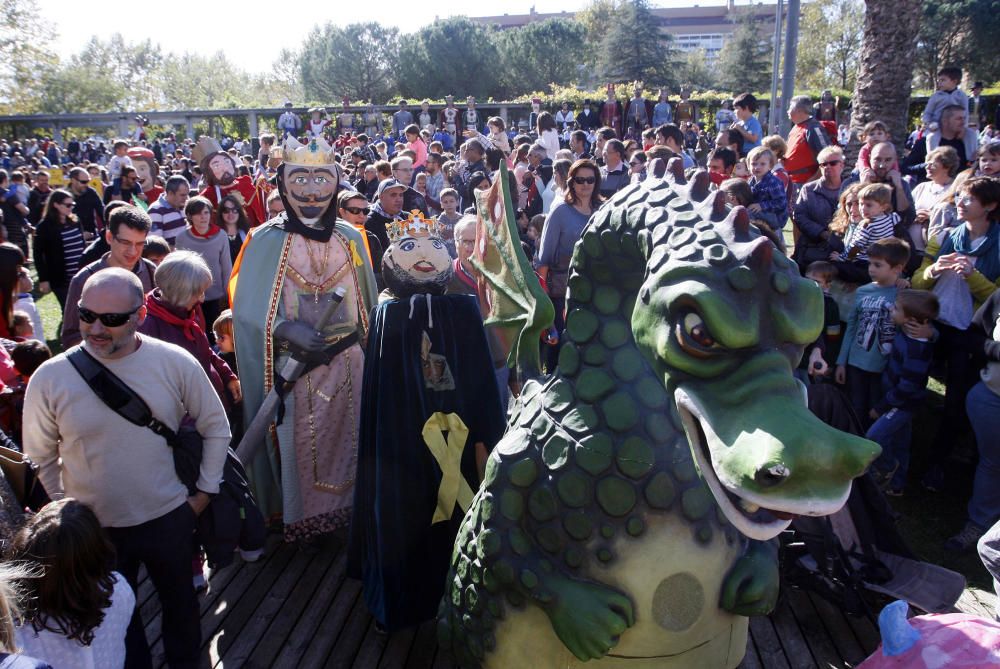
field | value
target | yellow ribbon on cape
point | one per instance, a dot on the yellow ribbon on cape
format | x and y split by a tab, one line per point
355	256
454	488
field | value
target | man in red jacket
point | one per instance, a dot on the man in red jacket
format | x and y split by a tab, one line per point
805	140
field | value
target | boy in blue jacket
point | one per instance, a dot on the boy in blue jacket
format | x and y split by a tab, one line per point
905	385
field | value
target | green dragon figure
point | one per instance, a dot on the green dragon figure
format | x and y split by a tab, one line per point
624	518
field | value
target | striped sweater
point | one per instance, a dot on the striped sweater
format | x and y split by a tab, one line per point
866	234
905	375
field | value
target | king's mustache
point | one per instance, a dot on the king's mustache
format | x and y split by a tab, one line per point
318	199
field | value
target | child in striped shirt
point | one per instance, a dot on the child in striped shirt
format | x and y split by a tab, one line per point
878	222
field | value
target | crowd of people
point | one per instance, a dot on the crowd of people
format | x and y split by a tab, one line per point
140	245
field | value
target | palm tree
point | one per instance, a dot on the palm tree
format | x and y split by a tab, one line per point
885	69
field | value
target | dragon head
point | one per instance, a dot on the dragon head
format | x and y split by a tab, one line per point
723	318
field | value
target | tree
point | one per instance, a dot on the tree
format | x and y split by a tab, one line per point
830	62
596	19
695	72
811	63
455	56
745	62
24	65
197	82
885	68
355	61
539	54
635	49
958	32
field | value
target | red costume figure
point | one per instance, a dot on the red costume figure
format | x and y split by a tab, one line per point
611	112
147	170
220	170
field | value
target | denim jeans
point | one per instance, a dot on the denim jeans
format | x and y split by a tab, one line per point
864	390
983	406
892	432
164	546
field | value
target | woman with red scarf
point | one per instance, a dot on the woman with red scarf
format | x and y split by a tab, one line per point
173	315
207	239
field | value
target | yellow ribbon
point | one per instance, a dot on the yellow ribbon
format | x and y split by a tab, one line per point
454	488
355	256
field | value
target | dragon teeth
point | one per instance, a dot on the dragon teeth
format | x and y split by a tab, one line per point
749	507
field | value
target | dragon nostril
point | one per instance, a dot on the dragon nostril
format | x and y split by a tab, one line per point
769	477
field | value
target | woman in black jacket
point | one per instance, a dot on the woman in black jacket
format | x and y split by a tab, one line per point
58	246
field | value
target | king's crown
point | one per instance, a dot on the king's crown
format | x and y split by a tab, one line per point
414	225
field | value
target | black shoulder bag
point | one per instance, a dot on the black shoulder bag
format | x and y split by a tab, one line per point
233	517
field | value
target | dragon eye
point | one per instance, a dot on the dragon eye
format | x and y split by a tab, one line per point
693	335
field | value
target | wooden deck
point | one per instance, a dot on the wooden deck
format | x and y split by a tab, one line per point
297	608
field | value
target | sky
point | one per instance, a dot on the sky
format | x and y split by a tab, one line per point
253	43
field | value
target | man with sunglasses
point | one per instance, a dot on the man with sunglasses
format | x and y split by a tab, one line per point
125	472
128	227
88	208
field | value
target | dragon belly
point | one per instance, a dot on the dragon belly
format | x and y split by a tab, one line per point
674	583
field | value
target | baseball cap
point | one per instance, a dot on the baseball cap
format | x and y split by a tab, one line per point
386	184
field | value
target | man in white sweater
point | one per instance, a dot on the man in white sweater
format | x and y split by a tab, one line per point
125	472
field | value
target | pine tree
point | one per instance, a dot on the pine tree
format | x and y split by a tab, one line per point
745	62
635	49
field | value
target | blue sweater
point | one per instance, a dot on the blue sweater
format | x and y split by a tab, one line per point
870	330
905	376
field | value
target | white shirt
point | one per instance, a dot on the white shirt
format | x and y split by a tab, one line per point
106	651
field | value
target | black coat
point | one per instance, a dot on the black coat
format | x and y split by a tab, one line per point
47	251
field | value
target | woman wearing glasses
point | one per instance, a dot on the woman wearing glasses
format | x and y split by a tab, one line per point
58	245
814	209
234	222
563	228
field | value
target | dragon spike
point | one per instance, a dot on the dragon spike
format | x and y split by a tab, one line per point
701	185
714	207
760	254
676	170
657	167
734	227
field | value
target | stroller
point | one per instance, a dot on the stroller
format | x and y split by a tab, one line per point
858	548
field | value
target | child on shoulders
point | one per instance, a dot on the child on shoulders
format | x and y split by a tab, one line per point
947	94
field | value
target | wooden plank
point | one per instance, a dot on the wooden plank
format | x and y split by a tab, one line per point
866	632
239	649
306	629
814	630
351	635
790	636
397	649
840	631
424	646
329	628
372	647
237	605
765	639
298	601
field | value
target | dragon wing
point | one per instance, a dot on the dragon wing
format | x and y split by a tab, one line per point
510	294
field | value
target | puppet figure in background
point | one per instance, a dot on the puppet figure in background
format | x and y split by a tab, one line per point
319	121
346	119
611	111
825	112
686	109
536	109
427	375
372	120
289	122
450	118
282	281
470	118
140	128
425	119
638	113
147	170
220	170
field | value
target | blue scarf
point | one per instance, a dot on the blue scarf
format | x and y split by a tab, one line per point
987	253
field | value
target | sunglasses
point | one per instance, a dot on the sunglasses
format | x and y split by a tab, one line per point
585	180
357	211
108	320
229	210
81	181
